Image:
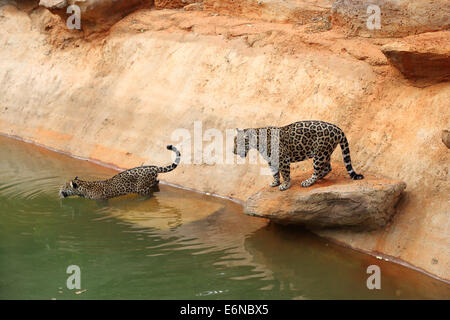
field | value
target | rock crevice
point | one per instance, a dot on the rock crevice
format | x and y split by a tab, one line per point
424	58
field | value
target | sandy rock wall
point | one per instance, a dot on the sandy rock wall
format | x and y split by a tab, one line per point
176	4
169	4
53	4
96	15
424	58
296	11
122	98
397	18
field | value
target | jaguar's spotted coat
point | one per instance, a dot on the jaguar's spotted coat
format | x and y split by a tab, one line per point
296	142
140	180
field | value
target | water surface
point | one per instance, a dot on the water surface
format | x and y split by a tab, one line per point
174	245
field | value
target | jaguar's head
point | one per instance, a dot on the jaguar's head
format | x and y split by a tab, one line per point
71	188
241	143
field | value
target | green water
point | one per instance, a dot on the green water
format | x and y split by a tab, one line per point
175	245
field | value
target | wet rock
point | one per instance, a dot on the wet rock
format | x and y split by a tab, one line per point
336	201
397	18
425	56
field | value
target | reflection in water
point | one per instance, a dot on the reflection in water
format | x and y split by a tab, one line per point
173	245
296	259
169	210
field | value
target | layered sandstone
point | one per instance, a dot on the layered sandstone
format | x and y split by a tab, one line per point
53	4
169	4
96	15
397	18
296	11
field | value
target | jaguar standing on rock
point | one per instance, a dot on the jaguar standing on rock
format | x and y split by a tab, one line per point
296	142
140	180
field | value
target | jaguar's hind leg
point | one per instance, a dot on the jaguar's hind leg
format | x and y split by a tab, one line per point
321	169
147	185
326	169
144	193
286	174
148	192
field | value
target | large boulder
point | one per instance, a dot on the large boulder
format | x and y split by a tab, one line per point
336	201
398	18
421	57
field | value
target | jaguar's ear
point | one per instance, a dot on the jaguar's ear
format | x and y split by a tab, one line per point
73	184
76	178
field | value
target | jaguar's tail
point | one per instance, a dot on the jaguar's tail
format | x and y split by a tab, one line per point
348	162
173	165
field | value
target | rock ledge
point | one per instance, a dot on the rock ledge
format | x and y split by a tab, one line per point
336	201
421	57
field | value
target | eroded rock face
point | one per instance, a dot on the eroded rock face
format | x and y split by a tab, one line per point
195	6
425	56
169	4
53	4
398	18
294	11
445	136
177	4
96	15
335	201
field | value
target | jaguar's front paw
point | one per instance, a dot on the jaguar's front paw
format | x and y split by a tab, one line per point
308	182
275	183
284	186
